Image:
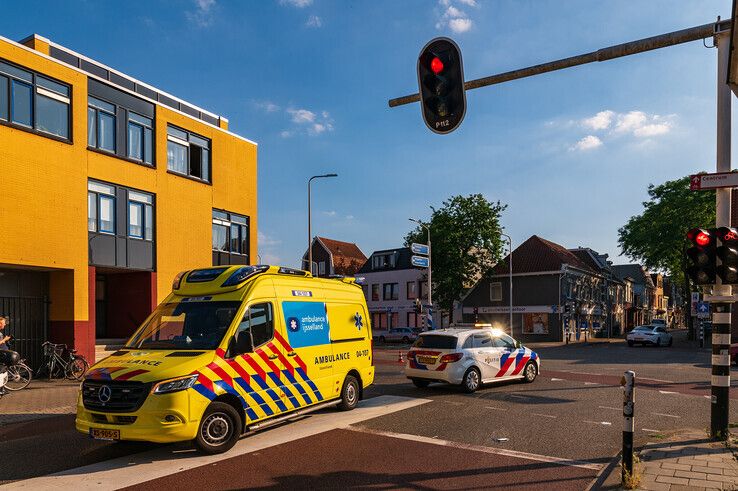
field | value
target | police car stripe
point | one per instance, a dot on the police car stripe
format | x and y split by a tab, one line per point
505	362
317	393
520	365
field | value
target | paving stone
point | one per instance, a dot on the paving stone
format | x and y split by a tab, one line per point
679	467
707	470
689	461
659	472
690	475
720	465
702	484
655	486
727	479
672	480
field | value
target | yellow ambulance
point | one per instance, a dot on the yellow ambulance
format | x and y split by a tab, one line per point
231	349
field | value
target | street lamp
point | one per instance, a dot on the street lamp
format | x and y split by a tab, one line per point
310	231
509	244
427	228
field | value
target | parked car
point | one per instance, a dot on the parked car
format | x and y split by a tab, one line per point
469	358
659	322
397	335
650	334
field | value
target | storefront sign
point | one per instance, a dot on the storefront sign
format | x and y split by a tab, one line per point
522	309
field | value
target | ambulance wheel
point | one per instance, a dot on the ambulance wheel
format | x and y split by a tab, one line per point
472	380
530	372
220	428
349	394
420	383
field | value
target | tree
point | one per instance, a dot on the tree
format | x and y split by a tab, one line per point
656	237
465	237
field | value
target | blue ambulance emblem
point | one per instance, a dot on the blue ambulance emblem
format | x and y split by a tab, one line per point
293	324
358	321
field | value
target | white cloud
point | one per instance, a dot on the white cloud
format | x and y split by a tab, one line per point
314	21
652	130
202	16
453	17
300	116
297	3
267	106
349	217
331	213
589	142
285	134
266	245
629	122
600	121
266	240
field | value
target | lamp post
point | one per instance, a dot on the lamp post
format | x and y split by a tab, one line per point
509	267
427	229
310	230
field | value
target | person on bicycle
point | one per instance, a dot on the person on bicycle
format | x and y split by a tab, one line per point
4	321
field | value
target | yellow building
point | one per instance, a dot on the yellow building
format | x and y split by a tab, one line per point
109	188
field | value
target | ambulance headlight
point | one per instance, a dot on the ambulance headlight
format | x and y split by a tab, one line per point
174	385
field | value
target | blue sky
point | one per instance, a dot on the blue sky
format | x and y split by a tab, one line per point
571	153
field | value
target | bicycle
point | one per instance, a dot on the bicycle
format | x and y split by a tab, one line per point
59	359
19	374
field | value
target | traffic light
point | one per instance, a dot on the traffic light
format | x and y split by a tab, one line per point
728	254
418	306
702	254
441	85
567	308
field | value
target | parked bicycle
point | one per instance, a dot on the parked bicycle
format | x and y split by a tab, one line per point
19	374
62	362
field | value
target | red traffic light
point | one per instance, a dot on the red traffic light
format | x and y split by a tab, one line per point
702	239
436	65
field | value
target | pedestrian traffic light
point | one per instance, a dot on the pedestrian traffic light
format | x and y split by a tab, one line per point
418	306
441	85
728	254
702	255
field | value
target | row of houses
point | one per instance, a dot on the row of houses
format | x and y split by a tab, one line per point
555	290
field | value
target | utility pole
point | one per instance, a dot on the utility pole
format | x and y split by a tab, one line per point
510	271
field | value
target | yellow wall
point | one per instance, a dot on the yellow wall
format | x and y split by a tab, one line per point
43	188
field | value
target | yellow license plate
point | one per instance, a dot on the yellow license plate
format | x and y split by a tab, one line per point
101	434
427	360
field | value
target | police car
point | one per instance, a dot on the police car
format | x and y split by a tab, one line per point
469	358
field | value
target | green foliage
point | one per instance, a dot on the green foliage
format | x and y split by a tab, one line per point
656	237
466	242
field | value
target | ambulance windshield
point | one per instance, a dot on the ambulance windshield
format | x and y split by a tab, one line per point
185	325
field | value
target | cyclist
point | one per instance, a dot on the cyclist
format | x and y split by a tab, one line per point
4	321
3	361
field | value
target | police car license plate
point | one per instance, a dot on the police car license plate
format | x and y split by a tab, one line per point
427	360
102	434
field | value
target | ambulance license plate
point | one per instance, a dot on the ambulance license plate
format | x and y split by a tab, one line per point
102	434
427	360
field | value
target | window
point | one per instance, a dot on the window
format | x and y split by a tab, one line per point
100	207
231	233
140	215
34	101
423	289
412	290
140	138
100	124
482	341
390	291
495	292
255	329
188	154
504	341
321	267
381	261
375	292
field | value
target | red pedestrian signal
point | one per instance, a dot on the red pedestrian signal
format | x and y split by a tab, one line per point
436	65
728	255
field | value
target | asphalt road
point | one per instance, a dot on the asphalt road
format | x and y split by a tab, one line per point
505	434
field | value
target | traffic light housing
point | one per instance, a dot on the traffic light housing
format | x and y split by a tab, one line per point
702	256
728	255
418	307
441	85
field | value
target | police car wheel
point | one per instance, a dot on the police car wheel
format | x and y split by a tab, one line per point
530	372
471	381
349	394
420	383
219	429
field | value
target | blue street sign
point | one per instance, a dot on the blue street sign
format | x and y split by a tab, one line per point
419	249
419	261
703	309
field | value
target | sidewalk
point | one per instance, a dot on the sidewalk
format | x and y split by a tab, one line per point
686	461
40	399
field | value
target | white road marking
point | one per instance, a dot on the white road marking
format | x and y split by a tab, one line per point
479	448
667	392
707	397
603	423
656	380
556	379
495	408
591	383
544	415
650	430
667	415
137	468
609	407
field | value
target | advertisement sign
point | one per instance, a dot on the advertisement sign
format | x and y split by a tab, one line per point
307	323
534	323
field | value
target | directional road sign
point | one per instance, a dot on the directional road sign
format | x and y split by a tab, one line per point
703	309
419	249
419	261
699	182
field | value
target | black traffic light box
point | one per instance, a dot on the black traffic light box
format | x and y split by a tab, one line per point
418	306
441	85
728	255
702	256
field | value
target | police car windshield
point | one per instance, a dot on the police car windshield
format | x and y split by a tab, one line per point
185	325
436	341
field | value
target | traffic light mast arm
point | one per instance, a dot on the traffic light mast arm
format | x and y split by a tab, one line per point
604	54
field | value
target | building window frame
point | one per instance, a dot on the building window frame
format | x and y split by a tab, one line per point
414	286
494	288
391	293
196	147
145	203
145	126
232	223
101	109
39	87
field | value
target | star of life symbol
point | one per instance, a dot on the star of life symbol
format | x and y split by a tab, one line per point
294	325
358	321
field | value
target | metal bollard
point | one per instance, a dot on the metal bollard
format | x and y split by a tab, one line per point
702	334
628	383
